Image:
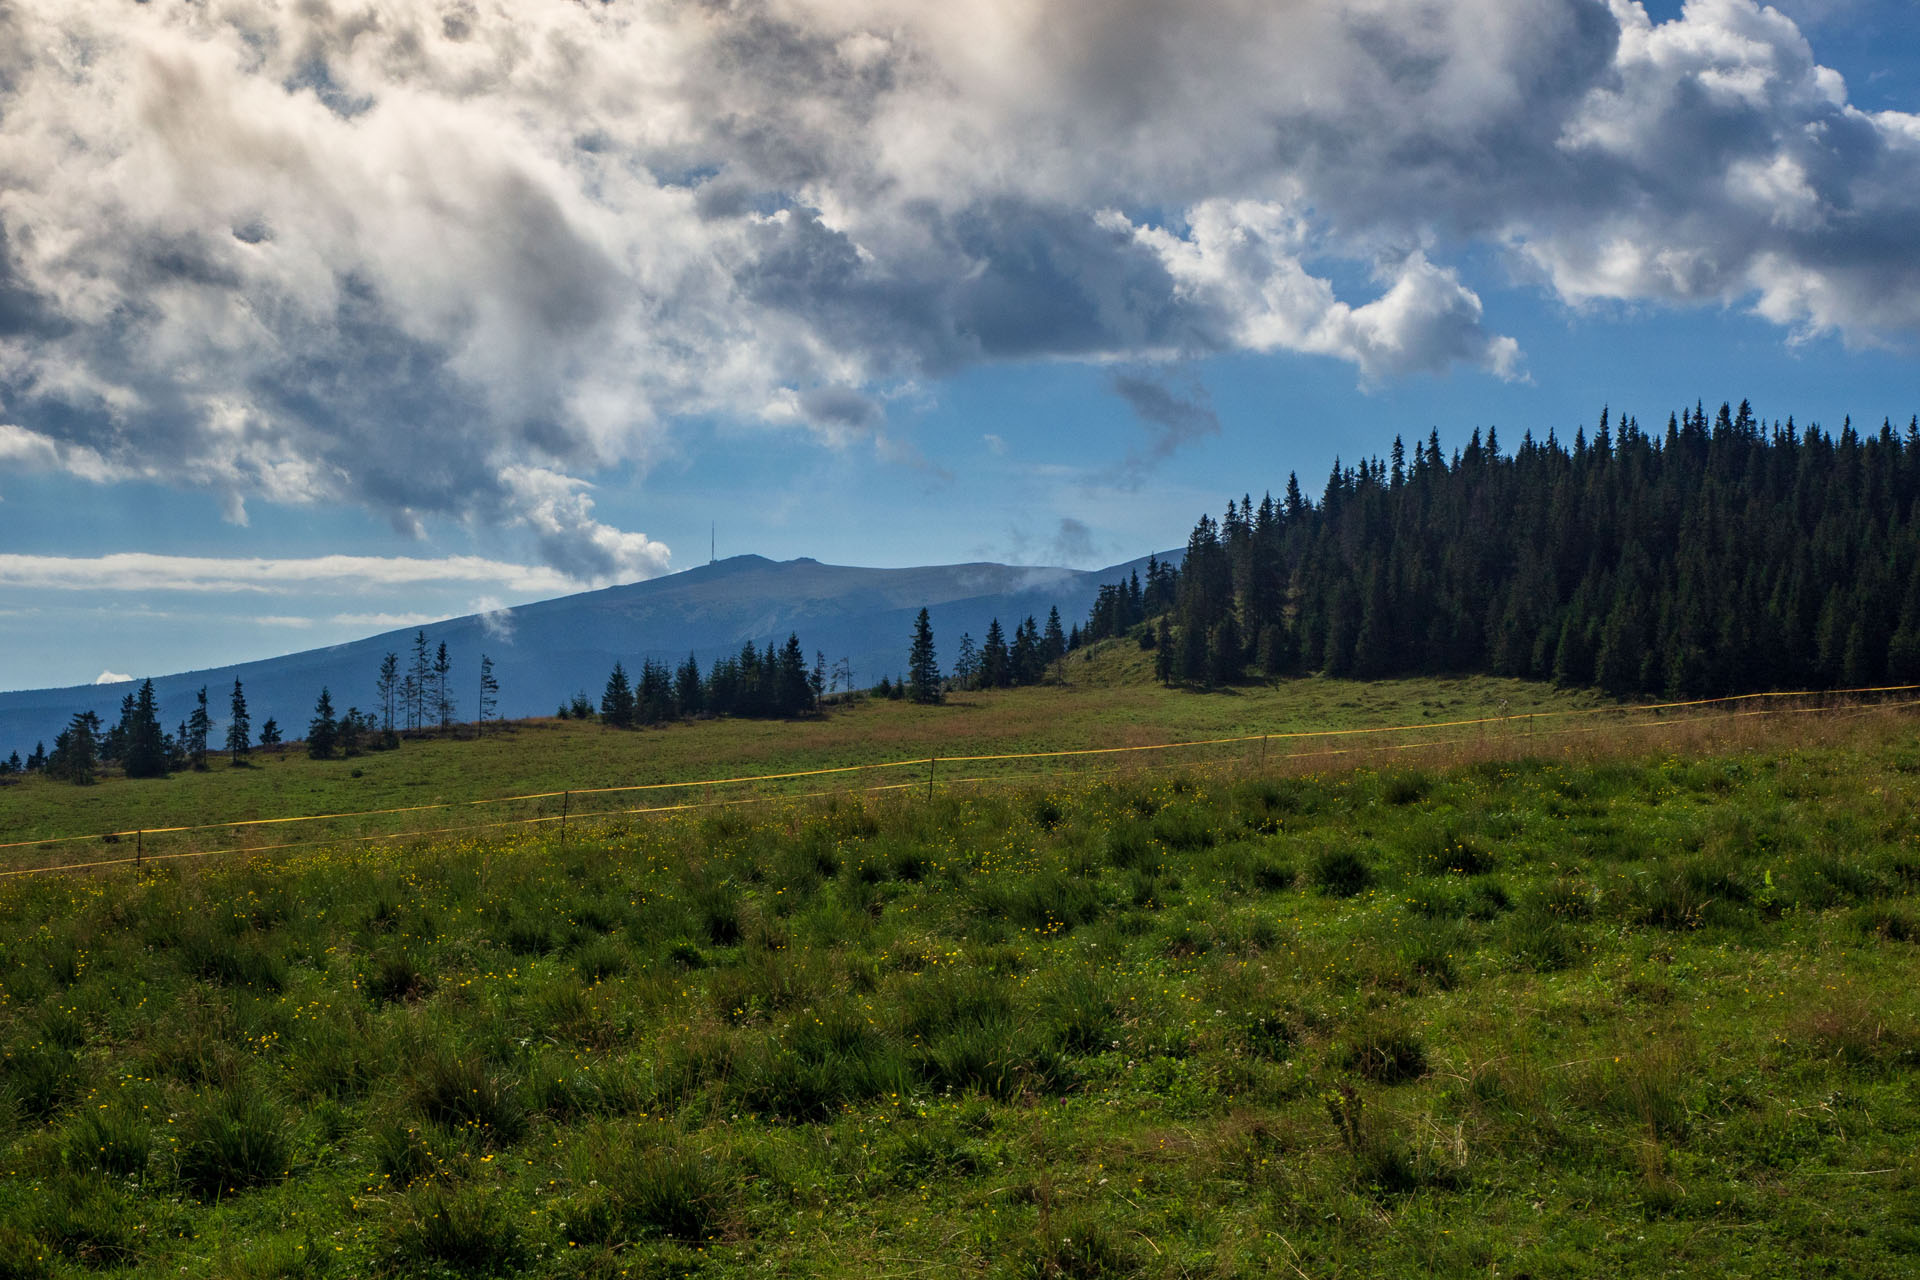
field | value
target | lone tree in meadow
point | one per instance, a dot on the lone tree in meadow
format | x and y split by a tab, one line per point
489	695
323	730
270	734
239	728
923	667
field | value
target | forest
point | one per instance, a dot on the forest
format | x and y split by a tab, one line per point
1717	557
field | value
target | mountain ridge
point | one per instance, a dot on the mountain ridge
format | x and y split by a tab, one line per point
546	650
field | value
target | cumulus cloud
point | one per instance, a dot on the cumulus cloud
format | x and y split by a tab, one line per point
111	677
448	259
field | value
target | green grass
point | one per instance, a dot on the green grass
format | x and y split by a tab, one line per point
1100	701
1633	1014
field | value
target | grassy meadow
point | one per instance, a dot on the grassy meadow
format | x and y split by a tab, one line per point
1106	699
1605	1009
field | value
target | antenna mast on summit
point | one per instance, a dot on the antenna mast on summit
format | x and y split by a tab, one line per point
713	542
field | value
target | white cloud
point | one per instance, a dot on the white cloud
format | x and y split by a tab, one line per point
446	262
561	517
496	619
384	621
142	571
111	677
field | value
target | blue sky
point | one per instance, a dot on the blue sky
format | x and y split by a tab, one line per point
908	316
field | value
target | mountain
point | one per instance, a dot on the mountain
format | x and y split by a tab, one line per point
545	652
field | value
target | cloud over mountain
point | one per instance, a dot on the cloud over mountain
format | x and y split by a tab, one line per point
447	259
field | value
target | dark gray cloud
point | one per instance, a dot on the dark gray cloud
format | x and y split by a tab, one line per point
446	258
1072	544
1173	419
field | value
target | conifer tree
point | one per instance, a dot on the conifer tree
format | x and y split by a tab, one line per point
443	692
388	686
1163	655
418	683
996	665
1053	642
76	751
146	751
239	727
1024	658
199	726
923	669
323	731
688	691
616	702
966	663
269	734
489	695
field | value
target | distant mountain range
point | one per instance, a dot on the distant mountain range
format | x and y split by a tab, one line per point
545	652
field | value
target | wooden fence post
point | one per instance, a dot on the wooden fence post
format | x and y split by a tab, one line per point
139	848
565	798
930	763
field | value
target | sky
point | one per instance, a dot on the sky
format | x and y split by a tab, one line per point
320	318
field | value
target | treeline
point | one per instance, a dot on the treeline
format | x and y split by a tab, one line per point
138	745
769	684
415	699
999	663
1719	556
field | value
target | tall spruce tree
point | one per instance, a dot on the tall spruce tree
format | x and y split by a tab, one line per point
616	701
239	727
996	664
146	749
923	668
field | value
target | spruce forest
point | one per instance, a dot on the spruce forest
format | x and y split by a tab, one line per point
1718	557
